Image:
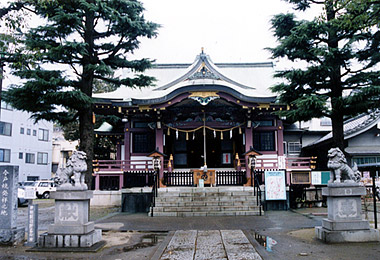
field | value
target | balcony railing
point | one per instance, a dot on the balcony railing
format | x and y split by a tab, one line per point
122	165
291	163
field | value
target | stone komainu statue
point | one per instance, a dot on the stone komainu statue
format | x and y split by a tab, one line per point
72	177
339	170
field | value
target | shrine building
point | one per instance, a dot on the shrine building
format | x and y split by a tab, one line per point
203	116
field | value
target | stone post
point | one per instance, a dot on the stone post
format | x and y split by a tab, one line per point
9	233
344	222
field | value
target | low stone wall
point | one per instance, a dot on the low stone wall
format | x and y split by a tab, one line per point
113	197
106	198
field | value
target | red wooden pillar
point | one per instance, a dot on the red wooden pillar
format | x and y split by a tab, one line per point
118	151
160	148
97	181
248	144
280	138
127	142
121	180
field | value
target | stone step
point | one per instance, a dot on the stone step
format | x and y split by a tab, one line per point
204	208
205	189
206	203
213	198
205	194
206	214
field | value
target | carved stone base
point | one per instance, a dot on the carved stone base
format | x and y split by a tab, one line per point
47	240
71	227
11	237
328	236
344	222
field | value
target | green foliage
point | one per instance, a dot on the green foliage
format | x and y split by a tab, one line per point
341	49
78	42
82	42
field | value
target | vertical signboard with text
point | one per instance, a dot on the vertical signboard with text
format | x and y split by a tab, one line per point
275	188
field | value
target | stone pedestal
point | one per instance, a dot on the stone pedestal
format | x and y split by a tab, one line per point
344	222
71	226
9	233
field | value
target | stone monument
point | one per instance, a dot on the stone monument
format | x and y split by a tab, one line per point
9	233
71	228
343	192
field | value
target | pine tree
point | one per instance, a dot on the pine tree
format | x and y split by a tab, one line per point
341	48
80	41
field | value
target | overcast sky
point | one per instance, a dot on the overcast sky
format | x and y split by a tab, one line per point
229	31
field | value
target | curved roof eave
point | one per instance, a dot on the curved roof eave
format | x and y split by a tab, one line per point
197	87
354	131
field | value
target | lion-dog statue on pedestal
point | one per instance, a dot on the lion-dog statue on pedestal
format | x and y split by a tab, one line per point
339	170
72	177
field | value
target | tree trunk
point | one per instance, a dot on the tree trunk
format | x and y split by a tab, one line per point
86	132
337	130
86	125
337	102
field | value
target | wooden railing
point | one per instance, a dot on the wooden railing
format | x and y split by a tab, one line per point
145	165
299	162
138	179
178	178
290	163
122	165
234	178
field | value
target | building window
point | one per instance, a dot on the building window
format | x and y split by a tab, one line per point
5	128
34	132
143	142
5	155
294	147
140	124
29	158
42	158
43	134
20	155
366	160
264	141
326	121
22	130
5	105
28	131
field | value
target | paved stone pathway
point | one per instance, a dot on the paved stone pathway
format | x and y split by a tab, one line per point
210	244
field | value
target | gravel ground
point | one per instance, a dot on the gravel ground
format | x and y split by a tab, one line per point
46	213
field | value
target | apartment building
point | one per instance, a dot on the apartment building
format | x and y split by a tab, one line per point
25	143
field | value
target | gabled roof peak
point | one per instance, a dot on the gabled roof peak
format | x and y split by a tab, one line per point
203	68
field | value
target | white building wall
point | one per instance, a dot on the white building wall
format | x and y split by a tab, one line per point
27	143
62	146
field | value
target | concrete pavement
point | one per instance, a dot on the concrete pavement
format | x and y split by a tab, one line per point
276	235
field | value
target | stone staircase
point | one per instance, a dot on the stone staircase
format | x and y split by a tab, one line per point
209	201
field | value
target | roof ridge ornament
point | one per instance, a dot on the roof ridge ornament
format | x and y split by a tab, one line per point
203	73
203	97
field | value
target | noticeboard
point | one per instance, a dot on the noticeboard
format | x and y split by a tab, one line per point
275	185
320	177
